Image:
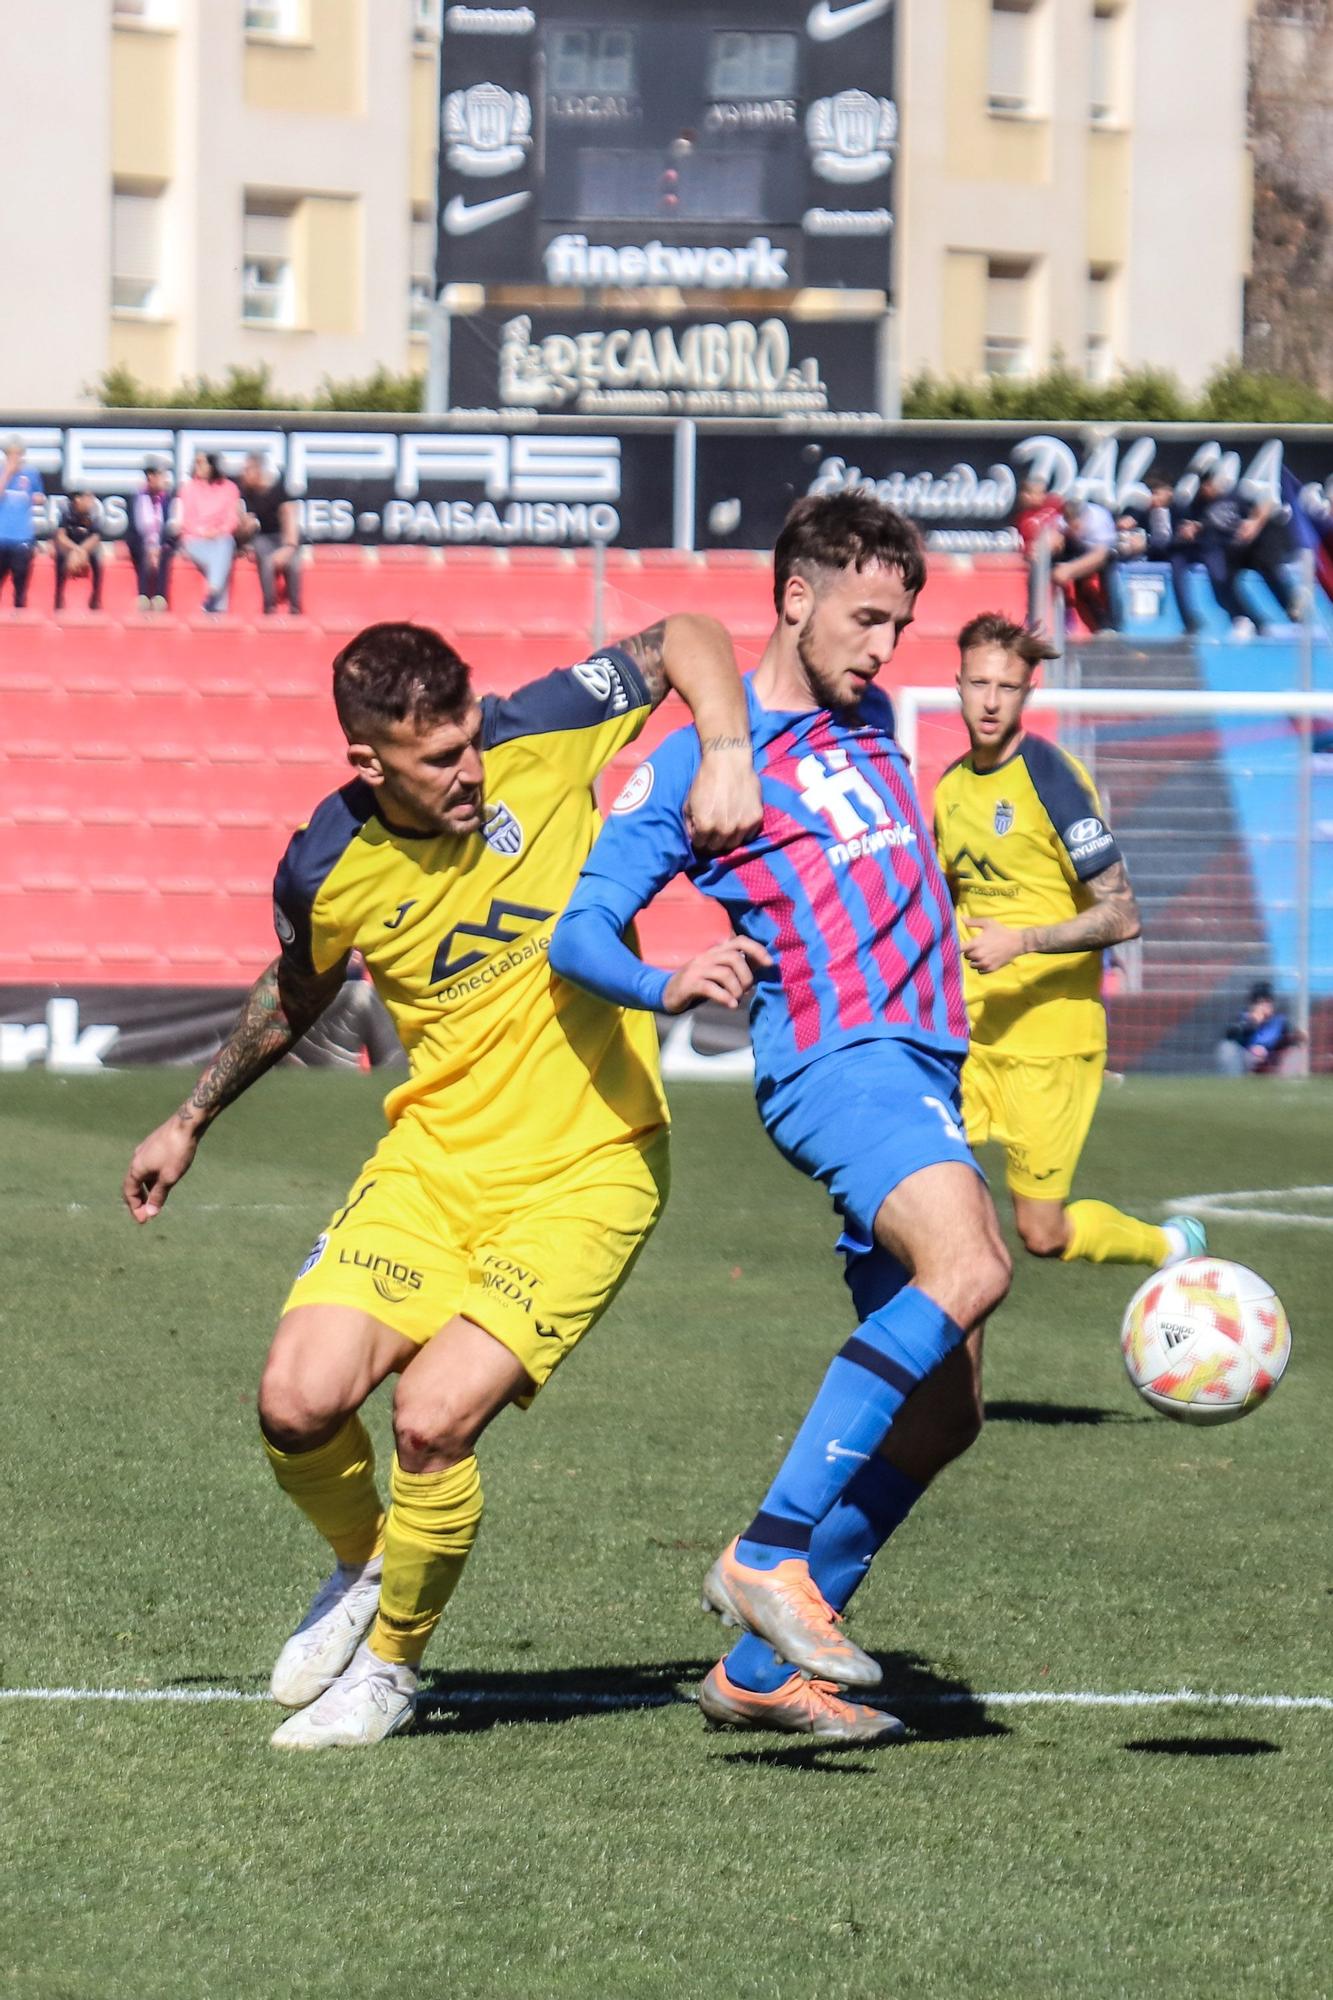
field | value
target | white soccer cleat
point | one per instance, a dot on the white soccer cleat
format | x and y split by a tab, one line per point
372	1700
338	1620
1187	1237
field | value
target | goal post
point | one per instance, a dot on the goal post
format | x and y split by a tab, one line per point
1223	806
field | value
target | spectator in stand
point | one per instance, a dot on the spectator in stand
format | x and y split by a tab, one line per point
1235	535
78	547
210	520
271	531
150	537
1040	527
19	487
1257	1039
1165	532
1086	569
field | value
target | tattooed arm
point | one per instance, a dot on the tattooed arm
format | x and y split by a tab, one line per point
279	1008
693	655
1111	918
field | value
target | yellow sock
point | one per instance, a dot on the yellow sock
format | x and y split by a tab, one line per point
334	1486
1105	1235
433	1522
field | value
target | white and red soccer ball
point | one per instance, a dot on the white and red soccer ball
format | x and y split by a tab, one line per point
1205	1341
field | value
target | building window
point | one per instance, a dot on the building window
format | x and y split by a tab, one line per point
1101	318
284	18
426	20
421	288
136	252
268	281
149	13
1011	66
1104	69
1008	338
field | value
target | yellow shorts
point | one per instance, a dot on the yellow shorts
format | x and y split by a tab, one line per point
421	1239
1039	1111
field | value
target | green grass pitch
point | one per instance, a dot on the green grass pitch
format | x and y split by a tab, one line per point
563	1825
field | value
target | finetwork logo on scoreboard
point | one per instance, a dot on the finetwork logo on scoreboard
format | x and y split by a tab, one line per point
756	265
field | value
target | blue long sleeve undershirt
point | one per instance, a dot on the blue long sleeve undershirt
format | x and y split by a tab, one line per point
589	947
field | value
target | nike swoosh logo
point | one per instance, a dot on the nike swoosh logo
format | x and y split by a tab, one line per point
460	220
824	25
835	1449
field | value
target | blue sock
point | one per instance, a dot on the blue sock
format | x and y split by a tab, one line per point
842	1547
867	1383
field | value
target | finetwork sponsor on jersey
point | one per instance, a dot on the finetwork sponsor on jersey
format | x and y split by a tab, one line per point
871	843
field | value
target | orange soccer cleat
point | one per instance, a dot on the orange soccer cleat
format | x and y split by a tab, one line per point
799	1707
784	1606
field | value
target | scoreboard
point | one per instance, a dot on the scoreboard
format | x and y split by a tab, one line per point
714	145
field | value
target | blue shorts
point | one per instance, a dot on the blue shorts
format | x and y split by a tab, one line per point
861	1120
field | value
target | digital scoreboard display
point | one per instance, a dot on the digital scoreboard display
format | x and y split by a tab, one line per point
716	147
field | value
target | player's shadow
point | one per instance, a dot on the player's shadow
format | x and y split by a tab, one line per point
1204	1746
1017	1412
936	1708
462	1704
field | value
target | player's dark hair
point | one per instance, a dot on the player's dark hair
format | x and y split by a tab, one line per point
398	673
835	531
992	628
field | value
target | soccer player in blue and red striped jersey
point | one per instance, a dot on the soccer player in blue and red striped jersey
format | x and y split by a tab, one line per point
842	924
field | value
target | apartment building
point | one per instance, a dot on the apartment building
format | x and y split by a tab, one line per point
254	185
1074	180
218	183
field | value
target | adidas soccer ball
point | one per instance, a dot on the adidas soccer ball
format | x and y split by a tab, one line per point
1205	1341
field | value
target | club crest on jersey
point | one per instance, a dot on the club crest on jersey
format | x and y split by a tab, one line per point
501	832
1004	815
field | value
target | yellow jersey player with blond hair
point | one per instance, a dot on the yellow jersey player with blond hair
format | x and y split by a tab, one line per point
526	1158
1041	891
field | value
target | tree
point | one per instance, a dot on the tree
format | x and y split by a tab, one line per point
1289	299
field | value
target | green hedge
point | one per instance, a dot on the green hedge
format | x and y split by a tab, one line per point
252	389
1144	396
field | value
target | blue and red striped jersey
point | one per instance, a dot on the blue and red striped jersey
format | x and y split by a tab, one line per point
841	885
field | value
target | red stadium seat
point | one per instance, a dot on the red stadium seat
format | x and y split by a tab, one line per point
151	769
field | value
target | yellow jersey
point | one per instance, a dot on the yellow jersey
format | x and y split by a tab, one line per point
505	1058
1020	844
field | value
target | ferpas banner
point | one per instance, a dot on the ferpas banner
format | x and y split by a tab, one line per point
377	482
715	145
960	483
575	364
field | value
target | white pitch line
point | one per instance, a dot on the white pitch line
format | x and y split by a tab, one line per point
660	1697
1221	1206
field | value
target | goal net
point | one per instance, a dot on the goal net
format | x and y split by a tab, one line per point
1223	806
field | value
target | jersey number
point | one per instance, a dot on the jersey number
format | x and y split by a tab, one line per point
952	1129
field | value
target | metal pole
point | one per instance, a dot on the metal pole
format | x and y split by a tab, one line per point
888	368
1304	884
683	471
435	398
598	594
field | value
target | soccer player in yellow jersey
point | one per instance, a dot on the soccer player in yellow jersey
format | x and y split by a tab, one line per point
526	1158
1041	890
